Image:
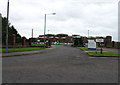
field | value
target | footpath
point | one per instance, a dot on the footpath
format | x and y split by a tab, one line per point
11	54
112	50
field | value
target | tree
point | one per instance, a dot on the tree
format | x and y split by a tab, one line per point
11	31
78	42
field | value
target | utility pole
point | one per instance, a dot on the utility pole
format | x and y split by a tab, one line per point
7	27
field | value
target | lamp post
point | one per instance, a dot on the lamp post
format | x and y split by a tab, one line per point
48	31
88	33
7	27
45	25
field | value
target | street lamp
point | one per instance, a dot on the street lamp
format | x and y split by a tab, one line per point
88	32
45	25
7	27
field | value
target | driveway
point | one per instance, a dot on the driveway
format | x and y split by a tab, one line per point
60	65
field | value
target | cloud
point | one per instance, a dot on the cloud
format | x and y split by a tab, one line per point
73	16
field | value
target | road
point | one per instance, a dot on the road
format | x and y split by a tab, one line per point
60	65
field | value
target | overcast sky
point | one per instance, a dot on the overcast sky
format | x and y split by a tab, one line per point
72	17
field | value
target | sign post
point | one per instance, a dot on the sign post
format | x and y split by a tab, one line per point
100	41
101	47
91	44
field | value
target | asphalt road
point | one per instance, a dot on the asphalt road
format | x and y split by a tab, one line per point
60	65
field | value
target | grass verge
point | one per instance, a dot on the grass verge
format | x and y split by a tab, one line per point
104	54
86	48
22	49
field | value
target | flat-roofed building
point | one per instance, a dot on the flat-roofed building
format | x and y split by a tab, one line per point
65	38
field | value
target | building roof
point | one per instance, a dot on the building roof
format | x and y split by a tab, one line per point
51	37
62	34
76	36
56	37
63	37
50	34
43	37
96	37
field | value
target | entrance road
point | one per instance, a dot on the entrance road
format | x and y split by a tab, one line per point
60	65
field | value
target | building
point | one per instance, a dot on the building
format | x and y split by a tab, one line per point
65	38
59	38
107	39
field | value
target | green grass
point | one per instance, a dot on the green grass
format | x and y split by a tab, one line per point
37	44
0	50
104	54
86	48
21	49
67	45
116	45
58	44
109	45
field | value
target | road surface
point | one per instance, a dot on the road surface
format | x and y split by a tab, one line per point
60	65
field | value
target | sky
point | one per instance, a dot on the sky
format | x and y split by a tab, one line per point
100	17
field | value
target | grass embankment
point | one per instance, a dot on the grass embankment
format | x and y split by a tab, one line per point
103	54
22	49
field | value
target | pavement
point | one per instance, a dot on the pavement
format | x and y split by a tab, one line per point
59	65
111	50
25	53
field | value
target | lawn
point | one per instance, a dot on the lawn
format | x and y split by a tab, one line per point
103	54
21	49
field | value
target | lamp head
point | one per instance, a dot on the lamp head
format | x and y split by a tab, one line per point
54	13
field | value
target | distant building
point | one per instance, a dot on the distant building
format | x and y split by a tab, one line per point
107	39
65	38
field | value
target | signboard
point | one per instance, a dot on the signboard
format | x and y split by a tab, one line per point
91	44
99	40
